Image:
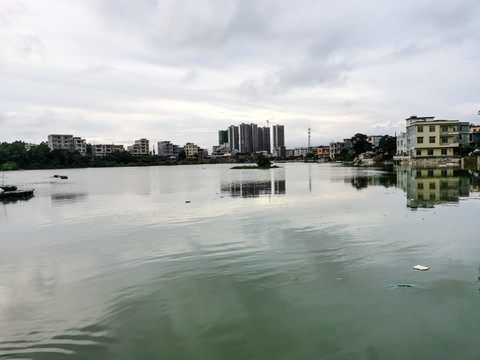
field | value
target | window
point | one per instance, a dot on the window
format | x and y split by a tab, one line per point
420	128
431	128
420	140
430	152
430	173
444	140
444	151
445	128
420	186
419	152
432	196
431	139
432	185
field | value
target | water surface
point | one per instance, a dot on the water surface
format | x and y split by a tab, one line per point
196	262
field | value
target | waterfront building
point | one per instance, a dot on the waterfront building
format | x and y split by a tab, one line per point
337	147
67	142
140	148
193	151
168	149
323	152
233	138
401	144
222	137
474	135
428	138
106	149
248	137
264	140
278	136
280	151
300	152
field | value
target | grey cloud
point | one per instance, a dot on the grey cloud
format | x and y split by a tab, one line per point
306	73
205	24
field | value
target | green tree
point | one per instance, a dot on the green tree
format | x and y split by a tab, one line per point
263	161
182	155
387	146
360	144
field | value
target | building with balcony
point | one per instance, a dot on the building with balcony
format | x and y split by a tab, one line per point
140	148
168	150
67	142
106	149
323	152
336	148
429	138
193	151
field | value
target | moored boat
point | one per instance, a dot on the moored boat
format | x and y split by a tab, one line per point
12	192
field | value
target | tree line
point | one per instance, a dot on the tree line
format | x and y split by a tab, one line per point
15	156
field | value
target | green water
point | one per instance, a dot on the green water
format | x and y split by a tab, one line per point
196	262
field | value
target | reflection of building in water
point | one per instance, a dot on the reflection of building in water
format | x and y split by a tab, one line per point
249	188
427	187
68	198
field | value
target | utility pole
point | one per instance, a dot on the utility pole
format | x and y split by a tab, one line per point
309	140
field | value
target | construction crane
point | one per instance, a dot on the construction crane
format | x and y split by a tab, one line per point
268	121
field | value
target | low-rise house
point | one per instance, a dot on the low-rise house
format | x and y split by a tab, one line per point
323	152
193	151
67	142
140	148
168	149
106	149
474	135
429	138
337	147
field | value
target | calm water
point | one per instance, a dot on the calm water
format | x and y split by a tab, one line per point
195	262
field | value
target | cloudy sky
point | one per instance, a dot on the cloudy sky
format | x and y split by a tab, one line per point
180	70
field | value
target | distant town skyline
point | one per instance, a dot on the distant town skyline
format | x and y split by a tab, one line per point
116	71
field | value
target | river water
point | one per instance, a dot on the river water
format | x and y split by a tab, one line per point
307	261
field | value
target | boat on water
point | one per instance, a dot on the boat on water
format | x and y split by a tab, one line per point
12	192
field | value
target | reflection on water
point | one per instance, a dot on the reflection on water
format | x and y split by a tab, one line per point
118	274
59	199
385	179
273	183
253	189
425	187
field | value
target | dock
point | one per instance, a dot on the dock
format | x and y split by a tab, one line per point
16	194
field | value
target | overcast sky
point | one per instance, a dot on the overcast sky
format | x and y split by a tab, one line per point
112	71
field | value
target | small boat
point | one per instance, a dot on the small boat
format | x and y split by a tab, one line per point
61	176
11	192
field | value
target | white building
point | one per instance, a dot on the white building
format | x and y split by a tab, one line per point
141	147
67	142
106	149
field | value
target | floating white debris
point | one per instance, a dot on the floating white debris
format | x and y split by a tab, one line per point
421	267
